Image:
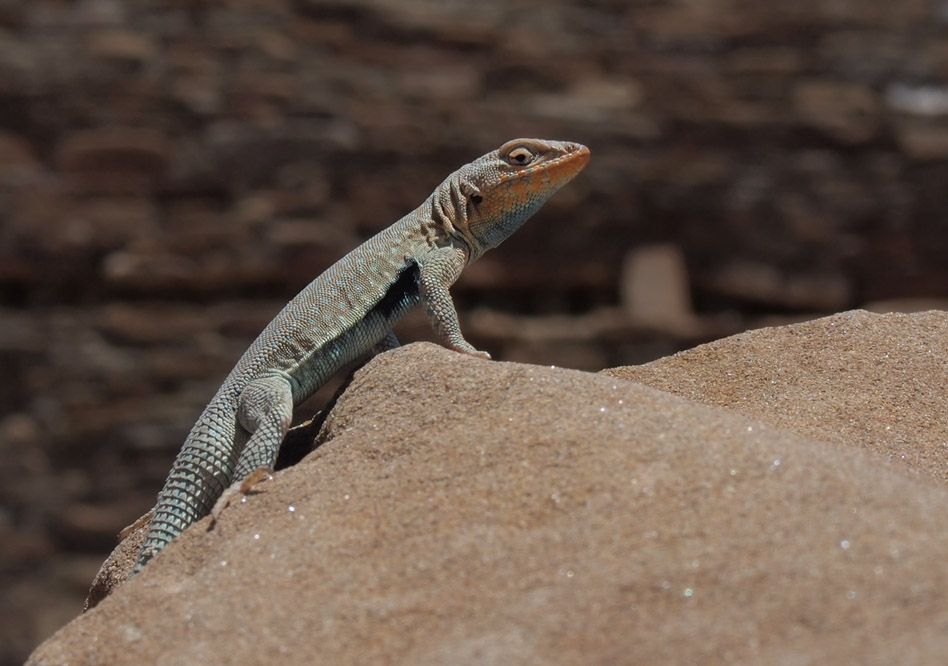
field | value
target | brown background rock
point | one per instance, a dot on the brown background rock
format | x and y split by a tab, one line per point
172	172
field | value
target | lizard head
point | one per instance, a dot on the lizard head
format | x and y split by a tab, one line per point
495	194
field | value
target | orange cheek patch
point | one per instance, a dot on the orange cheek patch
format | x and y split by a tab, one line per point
492	208
523	188
518	187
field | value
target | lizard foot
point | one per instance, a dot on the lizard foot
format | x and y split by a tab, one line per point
128	529
464	347
243	488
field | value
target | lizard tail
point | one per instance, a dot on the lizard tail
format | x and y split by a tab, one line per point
199	476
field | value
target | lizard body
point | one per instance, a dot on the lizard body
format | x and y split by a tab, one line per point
348	312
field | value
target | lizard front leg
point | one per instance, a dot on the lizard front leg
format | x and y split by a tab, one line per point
439	269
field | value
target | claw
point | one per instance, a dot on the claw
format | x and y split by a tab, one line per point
243	487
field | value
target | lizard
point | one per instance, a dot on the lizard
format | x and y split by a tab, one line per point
347	313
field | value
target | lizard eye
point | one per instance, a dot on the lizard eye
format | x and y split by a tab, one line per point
520	156
476	199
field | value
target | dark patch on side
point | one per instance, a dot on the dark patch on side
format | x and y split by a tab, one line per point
401	292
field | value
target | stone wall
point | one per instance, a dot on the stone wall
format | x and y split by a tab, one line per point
172	171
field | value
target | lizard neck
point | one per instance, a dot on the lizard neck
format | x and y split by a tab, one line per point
446	212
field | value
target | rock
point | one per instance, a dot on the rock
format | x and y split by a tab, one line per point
655	290
116	159
441	82
514	495
924	141
845	111
925	101
596	100
816	376
17	157
767	61
152	324
907	305
122	45
751	282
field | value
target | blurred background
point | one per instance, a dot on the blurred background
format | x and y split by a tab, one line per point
173	171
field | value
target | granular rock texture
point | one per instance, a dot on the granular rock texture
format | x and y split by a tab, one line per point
876	382
471	512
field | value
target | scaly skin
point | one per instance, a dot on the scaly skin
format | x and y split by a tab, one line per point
348	312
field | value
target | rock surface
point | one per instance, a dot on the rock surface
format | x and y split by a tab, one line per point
873	382
472	512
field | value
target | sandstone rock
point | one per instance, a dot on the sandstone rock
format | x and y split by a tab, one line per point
655	290
17	157
814	376
115	149
924	141
752	282
772	61
514	496
124	45
845	111
116	159
595	100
